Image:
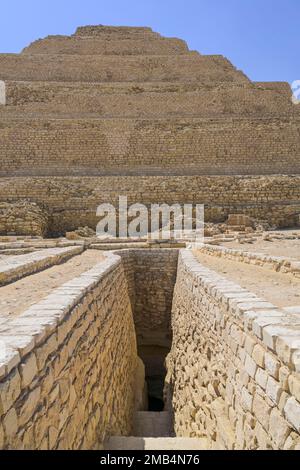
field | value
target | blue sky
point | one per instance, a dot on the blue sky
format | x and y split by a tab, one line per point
261	37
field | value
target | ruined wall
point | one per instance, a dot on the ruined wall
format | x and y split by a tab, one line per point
128	146
72	202
234	364
68	365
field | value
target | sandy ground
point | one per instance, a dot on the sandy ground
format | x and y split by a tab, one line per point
283	290
288	248
18	296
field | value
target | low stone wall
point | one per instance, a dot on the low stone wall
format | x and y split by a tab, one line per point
16	267
276	263
234	365
68	365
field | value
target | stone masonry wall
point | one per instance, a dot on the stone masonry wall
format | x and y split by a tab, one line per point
99	46
72	202
144	100
23	218
145	147
68	365
103	68
234	367
151	276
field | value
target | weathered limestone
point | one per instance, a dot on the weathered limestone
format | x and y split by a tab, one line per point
234	364
124	109
260	197
24	218
74	384
2	93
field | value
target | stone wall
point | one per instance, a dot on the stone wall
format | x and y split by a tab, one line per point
23	218
13	268
234	364
68	365
145	147
102	68
100	46
151	276
282	264
72	202
144	100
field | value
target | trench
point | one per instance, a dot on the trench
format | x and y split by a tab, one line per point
151	276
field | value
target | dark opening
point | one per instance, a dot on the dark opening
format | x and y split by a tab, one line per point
155	371
155	404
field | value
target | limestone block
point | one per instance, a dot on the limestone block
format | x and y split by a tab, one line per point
279	428
250	366
249	344
261	378
30	403
10	389
284	373
292	413
294	386
272	365
246	400
288	350
10	424
1	436
273	390
53	435
272	334
261	411
28	370
259	355
261	436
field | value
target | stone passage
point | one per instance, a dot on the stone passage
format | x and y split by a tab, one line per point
110	111
151	276
82	366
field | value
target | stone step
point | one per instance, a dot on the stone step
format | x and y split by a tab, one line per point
74	100
102	46
190	66
152	424
161	443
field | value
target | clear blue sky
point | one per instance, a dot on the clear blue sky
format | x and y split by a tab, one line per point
260	37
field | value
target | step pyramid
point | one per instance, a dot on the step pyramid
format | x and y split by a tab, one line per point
112	111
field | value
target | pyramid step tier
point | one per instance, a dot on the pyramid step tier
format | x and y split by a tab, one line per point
140	68
99	46
69	99
153	146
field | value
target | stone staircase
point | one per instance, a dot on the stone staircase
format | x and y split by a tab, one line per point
153	431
